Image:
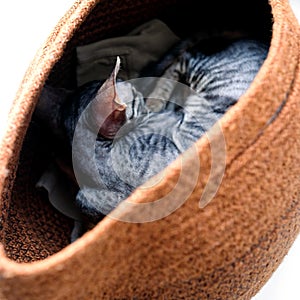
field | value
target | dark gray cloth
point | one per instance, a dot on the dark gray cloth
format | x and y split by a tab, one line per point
144	45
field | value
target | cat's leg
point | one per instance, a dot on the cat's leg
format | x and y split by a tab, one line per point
167	93
77	231
95	204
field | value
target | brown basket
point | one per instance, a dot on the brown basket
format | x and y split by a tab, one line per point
227	250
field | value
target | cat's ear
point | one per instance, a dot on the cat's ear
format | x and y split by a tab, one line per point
108	111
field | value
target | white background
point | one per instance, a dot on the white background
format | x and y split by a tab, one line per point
24	26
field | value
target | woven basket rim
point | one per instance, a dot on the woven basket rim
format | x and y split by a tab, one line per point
40	68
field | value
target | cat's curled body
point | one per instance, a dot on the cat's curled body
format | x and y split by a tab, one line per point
149	141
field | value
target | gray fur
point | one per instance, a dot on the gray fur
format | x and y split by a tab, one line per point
150	141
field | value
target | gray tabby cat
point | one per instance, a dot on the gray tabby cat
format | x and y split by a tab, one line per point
141	137
137	137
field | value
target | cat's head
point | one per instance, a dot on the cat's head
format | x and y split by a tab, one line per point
59	109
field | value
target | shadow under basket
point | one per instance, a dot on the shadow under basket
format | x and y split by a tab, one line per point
227	250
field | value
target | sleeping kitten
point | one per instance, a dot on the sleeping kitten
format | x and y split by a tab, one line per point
137	136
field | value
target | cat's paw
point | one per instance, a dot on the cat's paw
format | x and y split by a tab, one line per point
95	204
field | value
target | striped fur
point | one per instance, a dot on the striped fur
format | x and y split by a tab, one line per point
150	140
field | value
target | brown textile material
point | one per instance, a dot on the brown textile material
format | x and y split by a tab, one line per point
227	250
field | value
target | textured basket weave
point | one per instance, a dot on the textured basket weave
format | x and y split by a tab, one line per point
227	250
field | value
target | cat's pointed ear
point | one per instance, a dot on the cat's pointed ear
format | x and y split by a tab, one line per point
108	110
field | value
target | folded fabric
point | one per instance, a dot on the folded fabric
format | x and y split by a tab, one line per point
144	45
61	191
